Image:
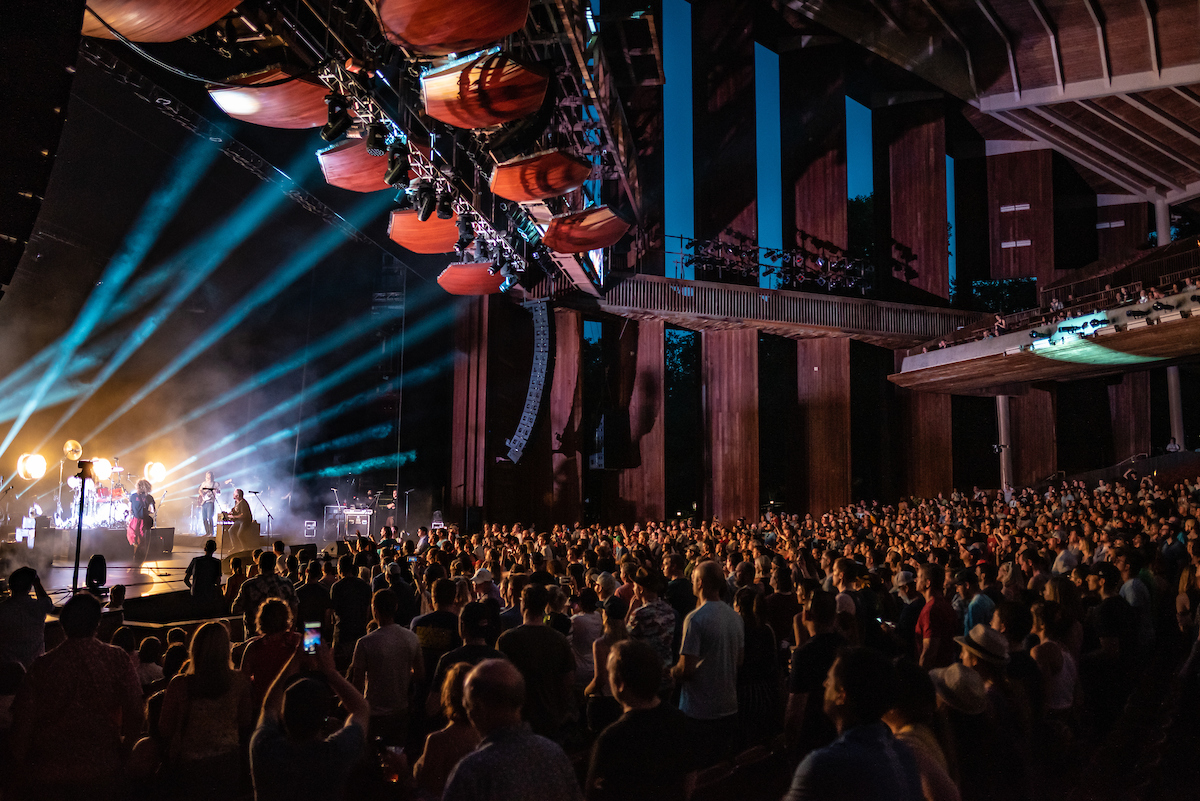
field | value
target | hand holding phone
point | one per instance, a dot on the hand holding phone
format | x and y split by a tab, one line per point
312	637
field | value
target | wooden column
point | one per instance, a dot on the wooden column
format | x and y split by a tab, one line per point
467	441
910	170
642	483
566	417
730	394
1129	410
823	393
925	443
1034	439
1126	227
1021	210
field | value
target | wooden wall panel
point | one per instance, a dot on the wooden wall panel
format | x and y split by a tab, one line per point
641	485
1034	440
730	398
566	417
1016	179
1129	410
912	138
467	441
823	392
724	117
1128	226
924	441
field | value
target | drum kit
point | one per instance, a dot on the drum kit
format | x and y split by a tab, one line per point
105	501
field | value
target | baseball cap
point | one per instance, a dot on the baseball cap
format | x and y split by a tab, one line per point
481	575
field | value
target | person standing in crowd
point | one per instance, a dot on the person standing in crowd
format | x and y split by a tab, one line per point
547	665
203	575
77	714
709	656
865	762
386	664
437	631
289	758
350	600
805	723
937	623
23	619
511	762
267	584
653	621
446	746
648	752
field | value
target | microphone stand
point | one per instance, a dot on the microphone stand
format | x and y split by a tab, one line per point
256	493
340	530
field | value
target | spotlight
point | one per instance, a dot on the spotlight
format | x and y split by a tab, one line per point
466	232
339	117
102	469
445	207
72	450
31	466
376	139
424	201
154	472
404	200
398	165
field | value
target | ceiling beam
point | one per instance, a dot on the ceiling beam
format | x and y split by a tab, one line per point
1155	113
1187	94
1002	31
956	36
1167	78
1051	32
1101	36
1136	133
1152	35
1106	170
1132	162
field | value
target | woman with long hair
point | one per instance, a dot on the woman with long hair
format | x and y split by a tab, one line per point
602	707
140	522
446	746
266	654
758	678
206	719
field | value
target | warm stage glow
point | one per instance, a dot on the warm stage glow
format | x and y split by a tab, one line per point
154	472
102	468
31	466
72	450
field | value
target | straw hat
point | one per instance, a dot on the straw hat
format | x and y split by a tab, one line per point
961	688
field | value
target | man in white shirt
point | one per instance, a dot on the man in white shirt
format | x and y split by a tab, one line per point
386	663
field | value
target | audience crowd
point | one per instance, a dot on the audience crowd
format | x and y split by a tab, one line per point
960	647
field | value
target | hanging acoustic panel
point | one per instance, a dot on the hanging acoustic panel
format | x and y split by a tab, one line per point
432	236
471	278
599	227
153	20
348	165
492	89
537	177
437	28
299	103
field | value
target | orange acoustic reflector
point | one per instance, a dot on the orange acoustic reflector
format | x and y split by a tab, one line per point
432	236
347	165
488	90
539	176
471	278
154	20
438	27
296	104
585	230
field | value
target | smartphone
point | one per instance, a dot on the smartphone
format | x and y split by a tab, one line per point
312	637
414	559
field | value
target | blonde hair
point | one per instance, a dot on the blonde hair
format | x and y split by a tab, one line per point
453	689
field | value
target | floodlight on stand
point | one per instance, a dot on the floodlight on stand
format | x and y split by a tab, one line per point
154	472
398	165
31	466
445	206
425	200
339	117
376	139
102	469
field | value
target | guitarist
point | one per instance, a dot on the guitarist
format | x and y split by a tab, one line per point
140	524
209	491
242	517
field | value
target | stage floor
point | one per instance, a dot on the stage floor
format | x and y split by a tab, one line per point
150	578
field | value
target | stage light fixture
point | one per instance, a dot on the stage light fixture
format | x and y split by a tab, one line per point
339	118
398	166
154	472
425	201
404	200
102	468
445	206
466	232
376	139
72	450
31	466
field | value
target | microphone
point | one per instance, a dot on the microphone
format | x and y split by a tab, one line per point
254	492
333	489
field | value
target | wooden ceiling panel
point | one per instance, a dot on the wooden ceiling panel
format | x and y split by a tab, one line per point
1077	39
1177	105
299	103
1128	38
348	165
154	20
471	278
1178	32
1035	57
992	73
1151	127
1123	142
991	128
434	235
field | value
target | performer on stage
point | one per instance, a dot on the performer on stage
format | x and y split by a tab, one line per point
140	524
241	517
208	499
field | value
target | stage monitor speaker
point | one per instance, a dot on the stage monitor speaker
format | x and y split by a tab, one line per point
97	572
247	558
343	548
164	541
305	553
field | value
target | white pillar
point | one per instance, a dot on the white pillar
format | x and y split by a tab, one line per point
1175	402
1162	220
1005	443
